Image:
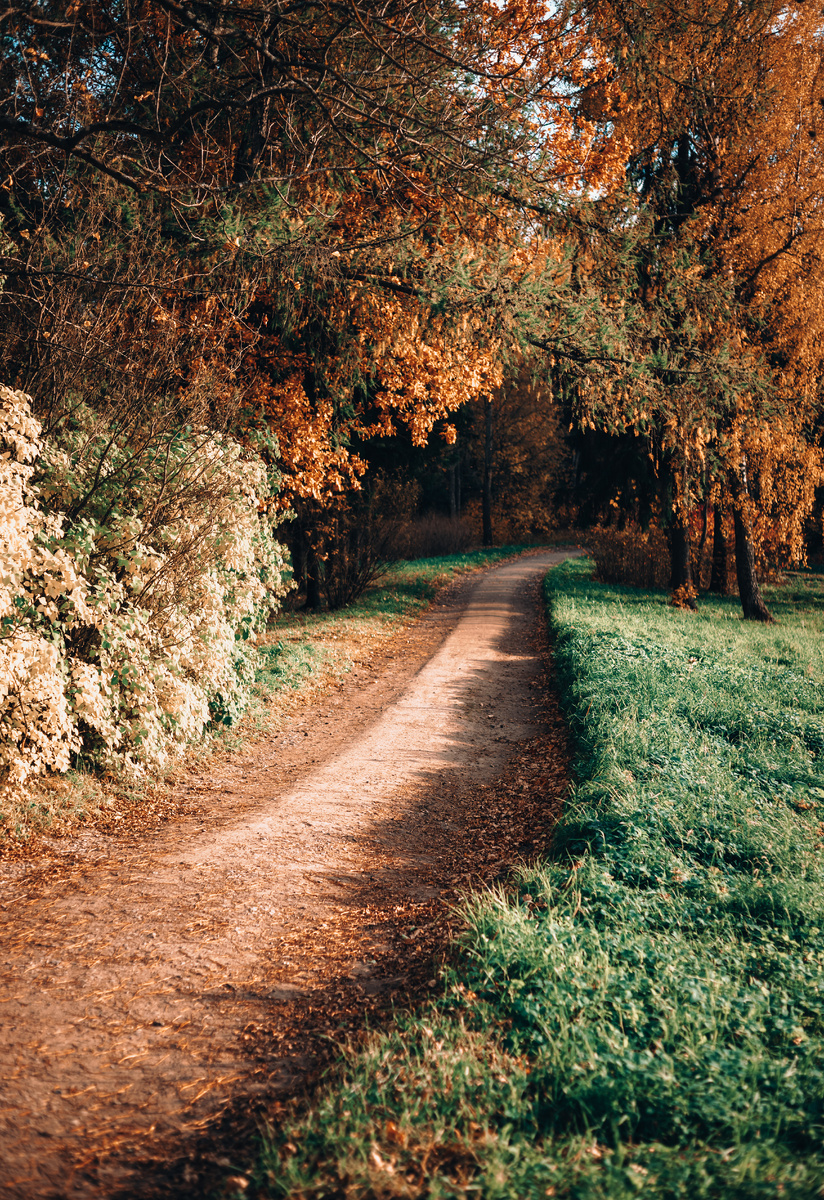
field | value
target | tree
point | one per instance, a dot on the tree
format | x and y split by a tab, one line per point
322	188
720	103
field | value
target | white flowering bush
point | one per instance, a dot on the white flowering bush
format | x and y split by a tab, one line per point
133	577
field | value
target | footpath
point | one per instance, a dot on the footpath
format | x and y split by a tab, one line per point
162	993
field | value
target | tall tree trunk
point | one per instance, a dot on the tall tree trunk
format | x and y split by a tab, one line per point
719	580
699	557
252	143
752	602
487	489
674	496
254	137
452	471
681	558
299	557
313	600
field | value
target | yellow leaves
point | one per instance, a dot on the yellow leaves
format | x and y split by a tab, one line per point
782	471
158	656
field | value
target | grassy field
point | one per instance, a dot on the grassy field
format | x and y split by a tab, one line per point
300	656
641	1014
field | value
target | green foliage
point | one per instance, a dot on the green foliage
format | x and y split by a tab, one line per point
643	1014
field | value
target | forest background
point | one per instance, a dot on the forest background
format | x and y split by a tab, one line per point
292	288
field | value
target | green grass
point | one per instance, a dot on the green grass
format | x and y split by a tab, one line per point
643	1013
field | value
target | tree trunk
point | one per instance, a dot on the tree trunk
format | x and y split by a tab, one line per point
705	523
299	556
719	580
452	470
681	558
313	600
254	137
752	602
252	143
487	490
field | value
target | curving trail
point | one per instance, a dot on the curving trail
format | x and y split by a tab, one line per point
149	986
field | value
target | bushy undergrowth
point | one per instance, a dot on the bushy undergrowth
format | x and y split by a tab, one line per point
432	535
639	558
131	585
644	1013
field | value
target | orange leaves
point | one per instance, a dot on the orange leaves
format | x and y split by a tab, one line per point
781	471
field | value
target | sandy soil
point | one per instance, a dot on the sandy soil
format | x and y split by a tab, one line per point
161	993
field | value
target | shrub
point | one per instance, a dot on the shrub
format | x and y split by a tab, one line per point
635	557
360	536
129	596
433	536
340	547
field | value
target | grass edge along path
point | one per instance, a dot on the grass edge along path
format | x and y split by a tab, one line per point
642	1013
302	650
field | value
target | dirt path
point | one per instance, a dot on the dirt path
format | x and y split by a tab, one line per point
152	987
